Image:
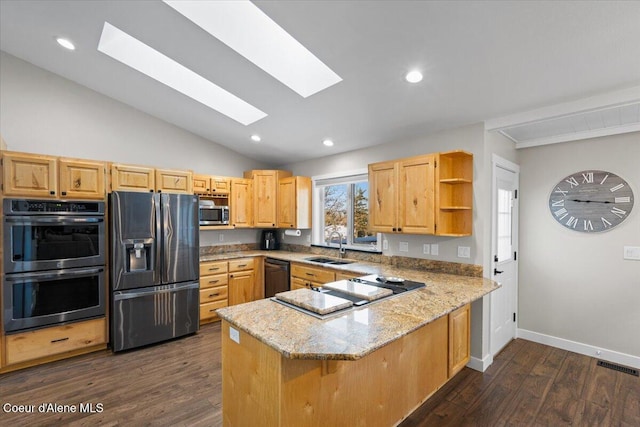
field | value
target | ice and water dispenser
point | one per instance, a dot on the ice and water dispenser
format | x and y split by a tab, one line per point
139	255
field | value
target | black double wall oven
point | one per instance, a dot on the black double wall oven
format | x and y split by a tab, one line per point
53	262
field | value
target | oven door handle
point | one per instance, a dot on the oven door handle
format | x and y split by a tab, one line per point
48	275
51	220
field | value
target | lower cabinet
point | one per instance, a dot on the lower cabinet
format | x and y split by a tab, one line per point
459	339
50	342
303	276
241	281
214	289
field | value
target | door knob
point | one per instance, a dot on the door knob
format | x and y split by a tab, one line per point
496	271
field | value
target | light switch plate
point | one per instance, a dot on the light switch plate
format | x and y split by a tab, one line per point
404	247
434	249
464	252
385	245
632	252
234	334
426	249
221	237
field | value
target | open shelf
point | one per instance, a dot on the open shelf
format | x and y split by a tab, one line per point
454	194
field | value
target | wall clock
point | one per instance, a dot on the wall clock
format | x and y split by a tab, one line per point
591	201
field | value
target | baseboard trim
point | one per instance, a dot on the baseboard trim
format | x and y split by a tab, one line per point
480	365
580	348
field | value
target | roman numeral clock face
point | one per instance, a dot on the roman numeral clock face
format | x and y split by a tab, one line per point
591	201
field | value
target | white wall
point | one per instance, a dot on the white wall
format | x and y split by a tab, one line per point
576	286
44	113
469	138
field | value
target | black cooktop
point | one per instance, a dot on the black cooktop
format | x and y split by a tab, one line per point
397	287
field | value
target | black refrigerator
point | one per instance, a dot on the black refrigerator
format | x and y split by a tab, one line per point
154	268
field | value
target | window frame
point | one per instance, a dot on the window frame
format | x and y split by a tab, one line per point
317	219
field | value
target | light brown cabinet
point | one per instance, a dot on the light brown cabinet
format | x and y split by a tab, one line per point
459	339
214	289
208	185
132	178
242	281
265	196
294	202
48	342
241	203
454	194
32	175
402	195
82	179
174	181
304	276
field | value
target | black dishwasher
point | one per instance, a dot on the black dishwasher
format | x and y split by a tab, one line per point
276	277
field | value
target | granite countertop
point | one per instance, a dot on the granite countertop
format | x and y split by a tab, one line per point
359	332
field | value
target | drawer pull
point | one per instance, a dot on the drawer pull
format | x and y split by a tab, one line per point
213	295
214	269
242	265
310	274
59	340
214	281
213	310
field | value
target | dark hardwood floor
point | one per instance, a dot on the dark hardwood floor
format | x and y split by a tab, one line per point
179	384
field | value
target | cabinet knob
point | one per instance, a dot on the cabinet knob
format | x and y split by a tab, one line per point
393	229
399	229
53	193
64	193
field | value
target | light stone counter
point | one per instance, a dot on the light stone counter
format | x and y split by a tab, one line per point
359	332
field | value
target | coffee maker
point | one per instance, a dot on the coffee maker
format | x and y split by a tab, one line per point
269	240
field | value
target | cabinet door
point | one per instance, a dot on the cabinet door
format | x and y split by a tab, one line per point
29	175
174	181
287	203
383	197
241	287
264	191
220	185
82	179
132	178
416	187
241	203
459	339
201	184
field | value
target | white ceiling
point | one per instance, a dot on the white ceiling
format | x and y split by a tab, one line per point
481	60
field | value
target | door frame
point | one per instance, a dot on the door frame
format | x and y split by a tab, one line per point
502	163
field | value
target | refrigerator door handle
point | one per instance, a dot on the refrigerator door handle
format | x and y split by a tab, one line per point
122	295
159	241
167	236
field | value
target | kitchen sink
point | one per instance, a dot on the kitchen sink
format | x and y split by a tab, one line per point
324	260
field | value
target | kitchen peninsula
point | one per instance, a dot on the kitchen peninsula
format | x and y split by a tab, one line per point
371	366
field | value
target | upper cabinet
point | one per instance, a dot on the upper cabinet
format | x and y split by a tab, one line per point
174	181
241	203
147	179
132	178
31	175
81	179
294	202
265	196
428	194
207	185
454	194
402	195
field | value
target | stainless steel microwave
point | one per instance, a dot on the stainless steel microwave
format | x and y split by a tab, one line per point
212	214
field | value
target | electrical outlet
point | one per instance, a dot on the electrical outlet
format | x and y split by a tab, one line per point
283	235
632	252
464	252
404	247
434	249
385	245
426	249
221	237
308	238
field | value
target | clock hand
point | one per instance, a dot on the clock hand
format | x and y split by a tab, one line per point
588	201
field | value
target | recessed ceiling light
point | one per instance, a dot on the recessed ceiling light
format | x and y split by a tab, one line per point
256	138
413	76
245	28
137	55
328	142
66	43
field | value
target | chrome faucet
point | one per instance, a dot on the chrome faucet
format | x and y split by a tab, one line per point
341	250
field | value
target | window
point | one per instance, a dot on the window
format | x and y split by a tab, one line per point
341	213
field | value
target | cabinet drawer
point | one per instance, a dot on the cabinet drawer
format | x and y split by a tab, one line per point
314	274
298	283
214	280
213	267
208	310
57	339
218	293
241	264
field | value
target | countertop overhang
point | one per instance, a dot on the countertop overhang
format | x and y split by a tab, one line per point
359	332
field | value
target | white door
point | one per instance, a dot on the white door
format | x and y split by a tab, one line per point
504	246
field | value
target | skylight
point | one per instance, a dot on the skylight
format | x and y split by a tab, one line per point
243	27
137	55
